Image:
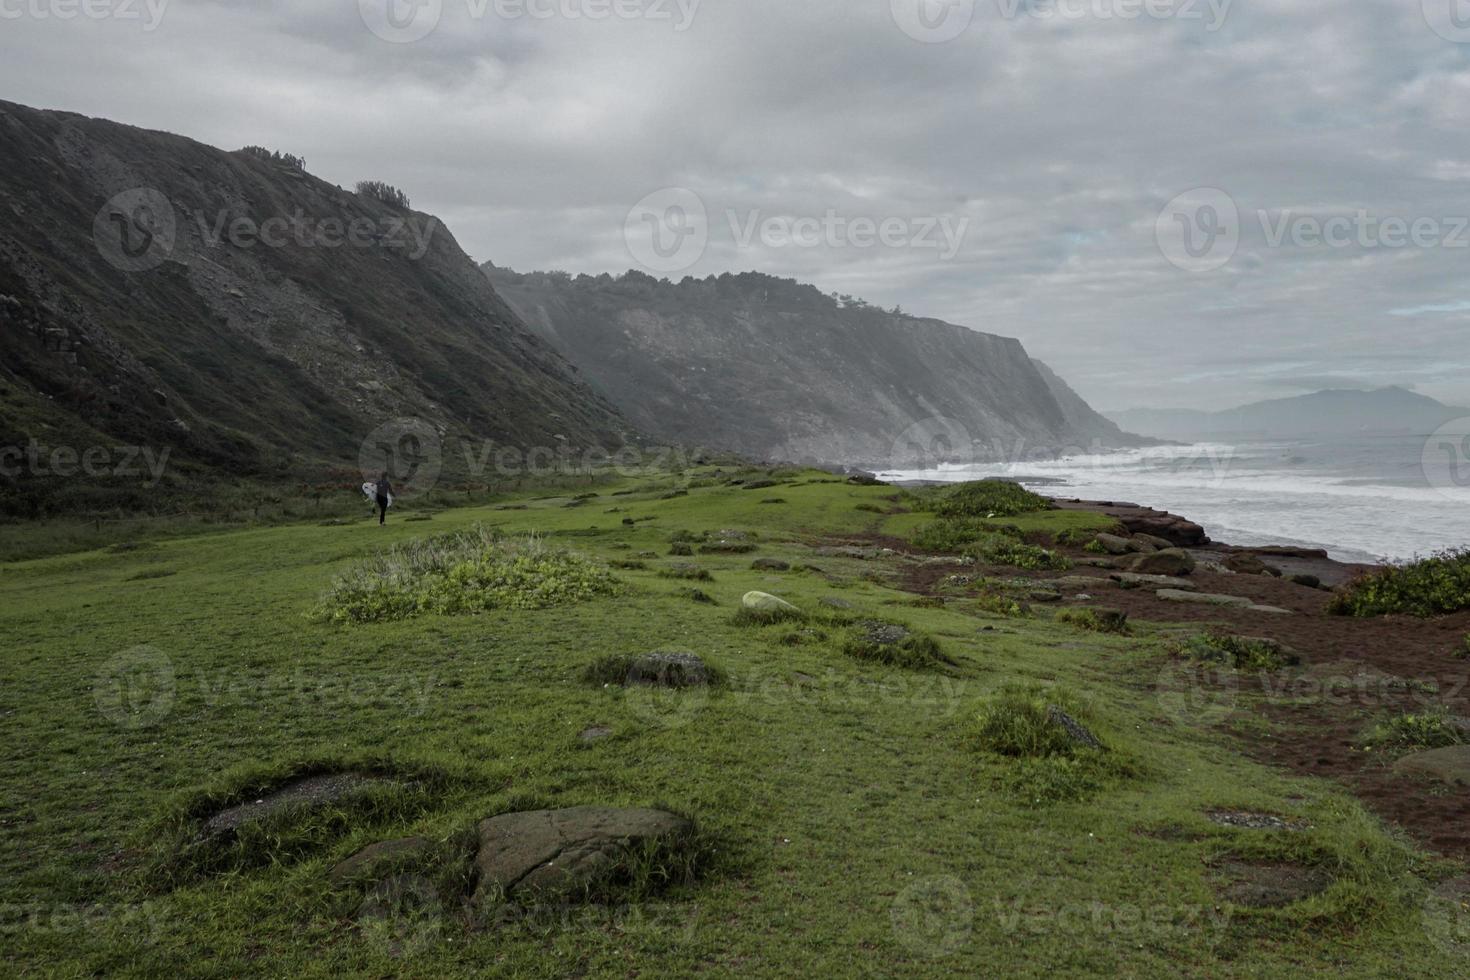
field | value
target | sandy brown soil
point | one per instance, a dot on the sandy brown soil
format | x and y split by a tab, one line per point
1352	672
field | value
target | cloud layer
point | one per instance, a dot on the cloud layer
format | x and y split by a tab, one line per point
822	138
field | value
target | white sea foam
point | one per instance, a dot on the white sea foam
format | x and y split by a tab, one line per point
1360	500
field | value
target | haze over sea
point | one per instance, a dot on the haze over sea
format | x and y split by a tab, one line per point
1363	498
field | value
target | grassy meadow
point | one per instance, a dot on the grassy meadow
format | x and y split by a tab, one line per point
855	817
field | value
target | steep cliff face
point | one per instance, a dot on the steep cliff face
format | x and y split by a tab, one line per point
245	316
778	370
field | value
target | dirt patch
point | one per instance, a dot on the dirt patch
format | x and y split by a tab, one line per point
1264	885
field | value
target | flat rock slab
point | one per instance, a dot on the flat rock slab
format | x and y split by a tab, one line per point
1255	821
1133	580
310	791
1204	598
561	852
374	858
1451	764
1078	583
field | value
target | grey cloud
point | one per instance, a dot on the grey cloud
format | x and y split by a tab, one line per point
1060	141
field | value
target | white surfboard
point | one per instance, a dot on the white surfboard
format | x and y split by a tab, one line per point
370	491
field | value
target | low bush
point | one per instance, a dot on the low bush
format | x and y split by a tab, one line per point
1001	550
464	572
893	644
953	534
1429	729
1220	646
1020	722
1433	586
1096	620
988	498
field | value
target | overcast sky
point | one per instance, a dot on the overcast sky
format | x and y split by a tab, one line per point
1020	161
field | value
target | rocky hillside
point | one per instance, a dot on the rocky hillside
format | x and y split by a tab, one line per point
776	369
246	317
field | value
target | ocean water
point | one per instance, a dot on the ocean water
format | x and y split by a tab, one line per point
1365	498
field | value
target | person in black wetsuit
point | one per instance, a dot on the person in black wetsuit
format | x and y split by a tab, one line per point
385	489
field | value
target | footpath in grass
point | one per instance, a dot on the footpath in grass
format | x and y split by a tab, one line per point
873	784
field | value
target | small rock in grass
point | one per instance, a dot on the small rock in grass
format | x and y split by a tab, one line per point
561	853
1075	730
370	860
764	602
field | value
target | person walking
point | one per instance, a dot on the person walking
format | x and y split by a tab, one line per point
384	498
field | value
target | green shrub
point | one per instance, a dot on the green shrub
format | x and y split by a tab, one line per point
1240	652
1000	550
1075	537
1429	729
766	617
988	498
1018	722
948	535
1001	604
1096	620
1433	586
463	572
692	573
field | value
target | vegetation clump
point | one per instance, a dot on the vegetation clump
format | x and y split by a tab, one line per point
468	571
1002	550
1097	620
988	498
1220	646
385	193
892	644
1429	729
1432	586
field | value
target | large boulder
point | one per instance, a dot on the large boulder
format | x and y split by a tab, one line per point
1115	545
1171	561
1247	564
561	853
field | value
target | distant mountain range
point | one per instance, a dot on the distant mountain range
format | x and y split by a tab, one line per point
257	324
779	370
1323	413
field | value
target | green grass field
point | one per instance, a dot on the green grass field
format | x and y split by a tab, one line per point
856	823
